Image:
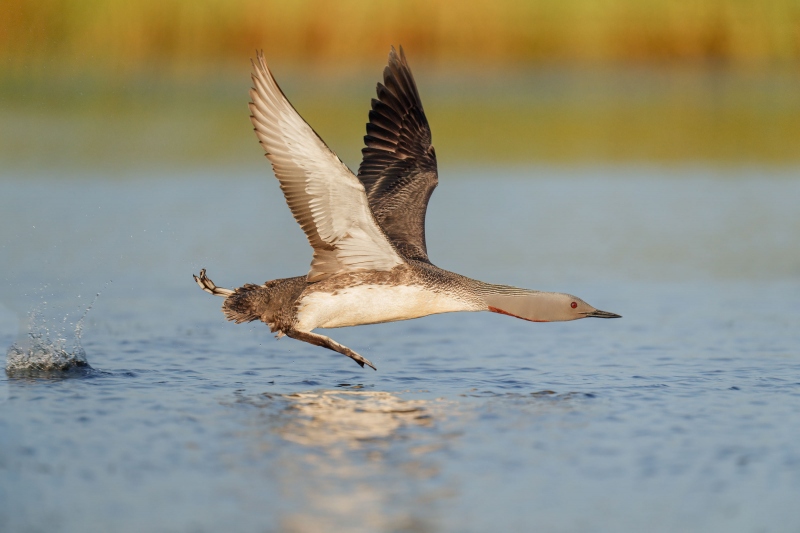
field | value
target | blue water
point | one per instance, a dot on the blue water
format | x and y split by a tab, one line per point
682	416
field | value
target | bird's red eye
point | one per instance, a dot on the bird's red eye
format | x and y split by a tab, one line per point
573	305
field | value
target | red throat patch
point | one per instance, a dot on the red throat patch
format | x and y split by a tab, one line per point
500	311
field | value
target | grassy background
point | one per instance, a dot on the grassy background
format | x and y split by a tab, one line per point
129	35
119	83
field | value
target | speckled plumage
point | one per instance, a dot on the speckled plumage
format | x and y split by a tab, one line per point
277	302
370	261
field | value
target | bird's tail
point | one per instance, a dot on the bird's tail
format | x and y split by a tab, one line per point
244	304
247	303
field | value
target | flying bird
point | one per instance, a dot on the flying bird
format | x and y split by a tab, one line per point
367	231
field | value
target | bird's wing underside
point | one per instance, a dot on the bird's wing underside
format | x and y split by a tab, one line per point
325	197
399	165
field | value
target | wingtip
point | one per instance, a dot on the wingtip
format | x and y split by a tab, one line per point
259	57
397	55
394	57
259	65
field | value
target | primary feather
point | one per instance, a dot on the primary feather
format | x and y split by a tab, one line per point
399	166
325	197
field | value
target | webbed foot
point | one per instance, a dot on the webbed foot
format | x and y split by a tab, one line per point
208	285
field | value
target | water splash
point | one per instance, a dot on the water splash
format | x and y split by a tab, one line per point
48	350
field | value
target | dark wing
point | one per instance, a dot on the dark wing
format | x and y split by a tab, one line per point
399	166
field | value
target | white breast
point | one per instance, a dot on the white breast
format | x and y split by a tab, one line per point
371	304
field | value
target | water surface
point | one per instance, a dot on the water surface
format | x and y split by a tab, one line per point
683	415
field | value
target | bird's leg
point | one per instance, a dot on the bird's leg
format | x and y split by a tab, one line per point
327	342
208	285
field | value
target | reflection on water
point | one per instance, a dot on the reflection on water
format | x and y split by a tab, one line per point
366	460
352	418
348	457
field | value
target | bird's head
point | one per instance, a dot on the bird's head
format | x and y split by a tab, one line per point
574	308
544	306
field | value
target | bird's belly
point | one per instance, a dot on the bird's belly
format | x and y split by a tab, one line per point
371	304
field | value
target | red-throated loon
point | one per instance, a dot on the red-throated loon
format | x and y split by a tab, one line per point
370	261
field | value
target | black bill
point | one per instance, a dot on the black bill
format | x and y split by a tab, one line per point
603	314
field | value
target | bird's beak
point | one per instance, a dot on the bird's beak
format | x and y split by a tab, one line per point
603	314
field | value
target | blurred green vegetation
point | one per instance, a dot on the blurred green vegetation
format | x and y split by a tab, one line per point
111	83
574	116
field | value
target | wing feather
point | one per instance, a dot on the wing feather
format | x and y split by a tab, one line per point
325	197
398	168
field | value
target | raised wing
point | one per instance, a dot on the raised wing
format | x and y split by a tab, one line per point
325	197
399	165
